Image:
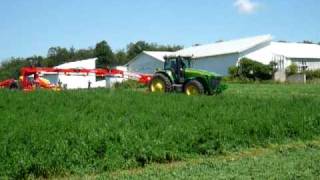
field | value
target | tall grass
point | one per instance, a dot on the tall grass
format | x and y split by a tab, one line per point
44	134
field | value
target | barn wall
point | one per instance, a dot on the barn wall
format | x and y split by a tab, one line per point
76	81
312	64
144	64
217	64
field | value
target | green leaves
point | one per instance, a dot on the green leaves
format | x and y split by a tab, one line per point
253	70
133	49
104	54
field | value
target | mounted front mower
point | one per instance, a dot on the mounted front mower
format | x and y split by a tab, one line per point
178	75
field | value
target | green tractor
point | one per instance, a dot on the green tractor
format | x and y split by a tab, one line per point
178	75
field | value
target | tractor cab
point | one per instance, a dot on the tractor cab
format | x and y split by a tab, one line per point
178	75
177	65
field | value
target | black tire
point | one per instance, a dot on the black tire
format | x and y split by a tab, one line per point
164	79
14	85
195	83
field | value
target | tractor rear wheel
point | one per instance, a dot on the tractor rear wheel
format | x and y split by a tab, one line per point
194	87
160	83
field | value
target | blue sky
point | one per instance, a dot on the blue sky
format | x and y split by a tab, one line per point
30	27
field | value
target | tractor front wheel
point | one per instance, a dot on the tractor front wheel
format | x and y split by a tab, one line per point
160	83
194	87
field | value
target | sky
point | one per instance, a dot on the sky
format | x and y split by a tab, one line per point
31	27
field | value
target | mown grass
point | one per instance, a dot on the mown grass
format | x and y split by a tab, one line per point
44	134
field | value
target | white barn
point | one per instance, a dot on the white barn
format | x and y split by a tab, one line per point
218	57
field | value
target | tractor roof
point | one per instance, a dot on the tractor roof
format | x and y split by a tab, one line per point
174	56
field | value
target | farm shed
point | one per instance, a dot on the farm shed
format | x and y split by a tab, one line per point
218	57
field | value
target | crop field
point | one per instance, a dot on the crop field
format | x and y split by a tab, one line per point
61	134
296	160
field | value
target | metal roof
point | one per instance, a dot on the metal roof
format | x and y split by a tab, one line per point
82	64
215	49
158	54
296	50
288	50
226	47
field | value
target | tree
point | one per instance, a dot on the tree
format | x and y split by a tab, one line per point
169	48
72	52
307	42
11	68
104	54
121	57
133	49
58	55
35	61
84	54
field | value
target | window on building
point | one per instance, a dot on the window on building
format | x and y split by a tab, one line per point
303	65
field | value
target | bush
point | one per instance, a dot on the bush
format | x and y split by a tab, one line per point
312	74
251	70
292	69
233	71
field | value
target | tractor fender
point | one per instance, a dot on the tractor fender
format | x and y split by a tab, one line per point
165	74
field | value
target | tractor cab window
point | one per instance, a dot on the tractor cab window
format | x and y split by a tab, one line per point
186	63
170	63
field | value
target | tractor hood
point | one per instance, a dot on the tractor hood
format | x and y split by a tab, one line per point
191	71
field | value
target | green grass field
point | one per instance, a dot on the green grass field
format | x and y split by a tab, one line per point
56	134
298	160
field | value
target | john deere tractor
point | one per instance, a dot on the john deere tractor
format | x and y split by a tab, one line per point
178	75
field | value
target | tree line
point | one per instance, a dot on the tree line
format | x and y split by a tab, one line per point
10	68
309	42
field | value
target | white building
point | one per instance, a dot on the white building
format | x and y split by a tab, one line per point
306	56
76	80
147	62
218	57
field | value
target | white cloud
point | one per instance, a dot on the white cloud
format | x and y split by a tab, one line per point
246	6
